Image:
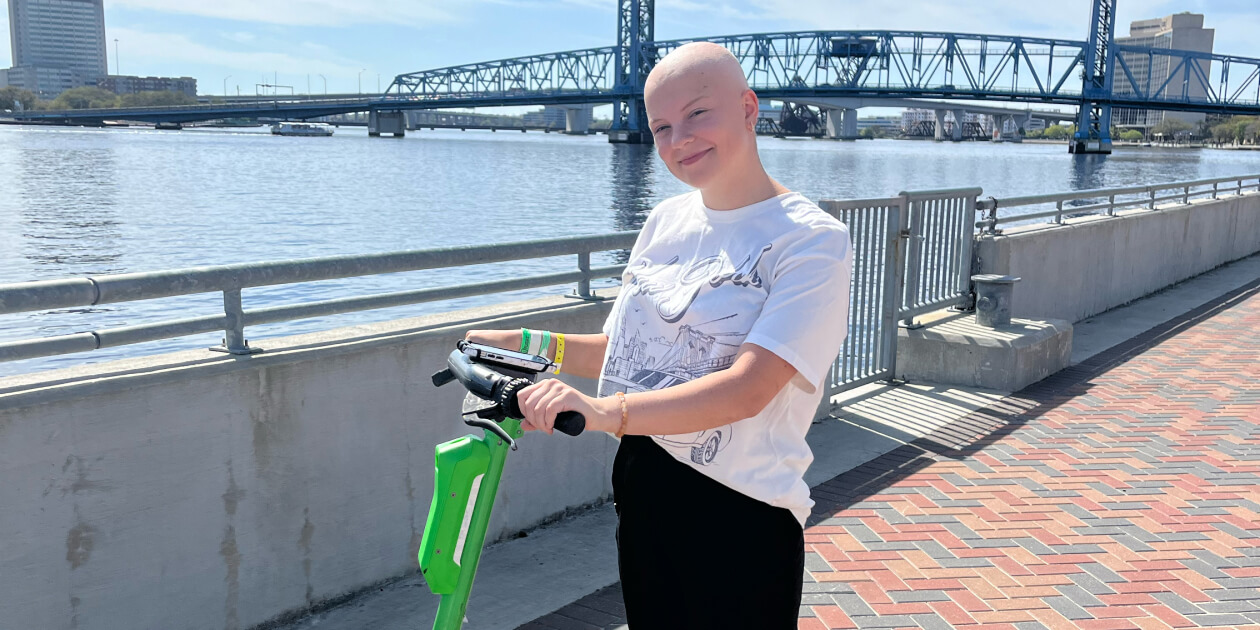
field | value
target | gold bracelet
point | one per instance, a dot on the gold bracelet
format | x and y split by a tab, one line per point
625	416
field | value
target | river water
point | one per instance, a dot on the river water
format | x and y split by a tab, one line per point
75	202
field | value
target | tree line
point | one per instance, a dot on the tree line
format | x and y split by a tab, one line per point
14	99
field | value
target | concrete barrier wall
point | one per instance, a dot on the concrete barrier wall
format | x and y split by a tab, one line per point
1093	264
198	490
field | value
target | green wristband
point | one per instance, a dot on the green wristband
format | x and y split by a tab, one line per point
525	340
546	343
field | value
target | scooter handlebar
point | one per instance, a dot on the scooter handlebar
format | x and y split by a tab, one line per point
491	385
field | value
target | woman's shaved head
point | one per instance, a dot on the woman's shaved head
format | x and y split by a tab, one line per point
703	61
702	116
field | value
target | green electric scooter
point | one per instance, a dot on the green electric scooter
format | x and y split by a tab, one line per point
469	468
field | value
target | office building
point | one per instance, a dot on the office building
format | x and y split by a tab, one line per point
56	44
123	84
1183	31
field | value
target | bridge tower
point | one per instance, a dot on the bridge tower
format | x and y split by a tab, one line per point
636	20
1093	128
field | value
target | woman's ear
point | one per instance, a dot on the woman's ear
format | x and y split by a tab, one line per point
752	108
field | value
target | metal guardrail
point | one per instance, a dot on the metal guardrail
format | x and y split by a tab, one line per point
911	255
230	279
1128	197
869	352
936	224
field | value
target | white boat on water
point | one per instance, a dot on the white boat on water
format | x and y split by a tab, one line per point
301	129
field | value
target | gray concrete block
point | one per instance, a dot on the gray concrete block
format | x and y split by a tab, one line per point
954	350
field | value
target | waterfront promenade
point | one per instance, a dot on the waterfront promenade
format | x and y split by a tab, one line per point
1119	493
1123	492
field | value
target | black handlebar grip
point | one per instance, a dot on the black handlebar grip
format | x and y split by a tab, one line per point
570	423
567	422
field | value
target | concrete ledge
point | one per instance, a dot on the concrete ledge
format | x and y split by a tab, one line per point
203	491
1092	264
955	350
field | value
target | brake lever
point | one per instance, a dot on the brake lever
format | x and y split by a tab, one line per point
482	423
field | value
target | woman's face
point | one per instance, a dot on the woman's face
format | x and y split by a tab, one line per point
701	130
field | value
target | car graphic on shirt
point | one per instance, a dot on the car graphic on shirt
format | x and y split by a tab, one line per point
704	446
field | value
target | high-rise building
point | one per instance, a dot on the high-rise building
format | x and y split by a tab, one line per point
57	44
1183	31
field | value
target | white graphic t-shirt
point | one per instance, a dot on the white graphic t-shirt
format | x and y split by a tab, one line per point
701	282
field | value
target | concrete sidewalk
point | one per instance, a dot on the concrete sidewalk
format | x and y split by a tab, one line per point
561	567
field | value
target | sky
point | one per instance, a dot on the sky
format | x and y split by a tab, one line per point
363	44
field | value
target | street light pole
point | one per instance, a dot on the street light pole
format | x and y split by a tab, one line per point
361	80
325	84
225	85
116	60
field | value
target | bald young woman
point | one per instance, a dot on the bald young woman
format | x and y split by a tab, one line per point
733	305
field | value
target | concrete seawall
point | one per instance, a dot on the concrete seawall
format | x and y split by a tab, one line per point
197	490
1092	264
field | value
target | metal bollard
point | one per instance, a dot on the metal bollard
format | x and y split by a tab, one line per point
993	299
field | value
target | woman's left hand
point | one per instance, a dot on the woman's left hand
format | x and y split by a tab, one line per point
541	402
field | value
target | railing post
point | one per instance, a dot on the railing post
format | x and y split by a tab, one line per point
584	265
894	281
234	325
1185	199
966	256
1058	217
1215	189
1152	203
1111	205
911	262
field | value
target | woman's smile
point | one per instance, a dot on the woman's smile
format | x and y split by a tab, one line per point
694	157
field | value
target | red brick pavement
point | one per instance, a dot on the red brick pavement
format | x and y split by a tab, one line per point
1121	493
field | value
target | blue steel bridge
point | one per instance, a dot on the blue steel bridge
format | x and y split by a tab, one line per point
837	71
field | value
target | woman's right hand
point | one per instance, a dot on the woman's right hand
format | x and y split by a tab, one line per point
506	339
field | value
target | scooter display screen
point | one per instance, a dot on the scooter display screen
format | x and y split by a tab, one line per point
490	354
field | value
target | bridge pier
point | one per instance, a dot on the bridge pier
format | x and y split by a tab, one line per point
960	118
629	136
1019	122
577	119
939	132
842	124
390	122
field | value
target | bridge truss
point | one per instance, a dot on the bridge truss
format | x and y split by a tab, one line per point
1094	75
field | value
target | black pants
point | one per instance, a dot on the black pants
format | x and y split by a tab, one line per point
696	554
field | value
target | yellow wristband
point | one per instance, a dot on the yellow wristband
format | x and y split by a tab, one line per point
559	352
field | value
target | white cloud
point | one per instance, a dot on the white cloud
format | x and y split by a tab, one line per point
304	12
605	5
240	37
171	47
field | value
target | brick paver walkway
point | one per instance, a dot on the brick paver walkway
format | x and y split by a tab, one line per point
1121	493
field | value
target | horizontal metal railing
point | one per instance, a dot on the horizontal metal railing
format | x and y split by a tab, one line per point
877	298
231	279
1128	197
